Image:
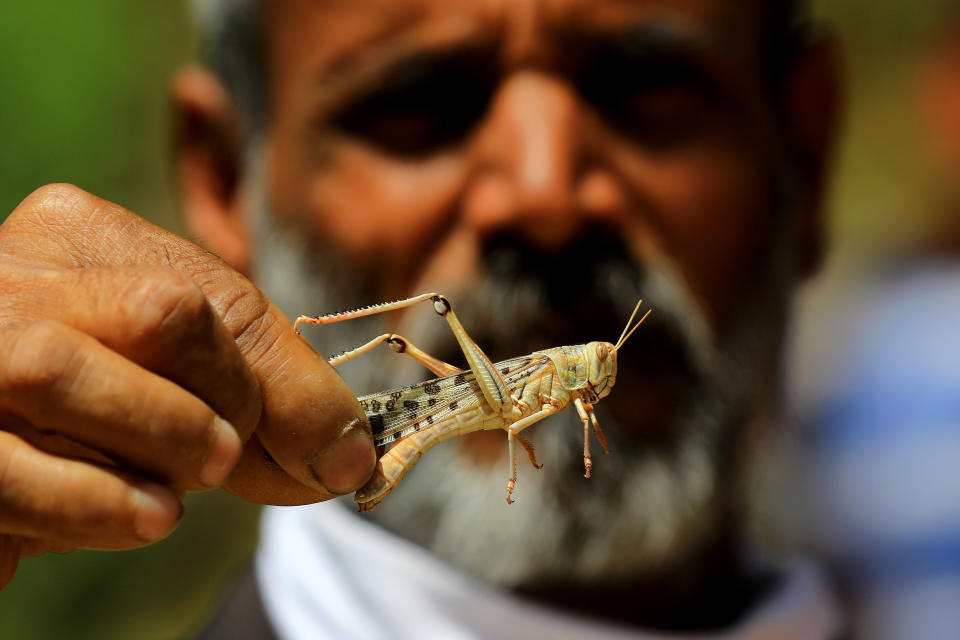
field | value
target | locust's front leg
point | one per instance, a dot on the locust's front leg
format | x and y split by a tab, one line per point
587	417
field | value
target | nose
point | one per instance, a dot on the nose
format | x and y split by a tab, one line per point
531	169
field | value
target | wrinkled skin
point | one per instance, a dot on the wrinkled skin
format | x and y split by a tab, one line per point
139	365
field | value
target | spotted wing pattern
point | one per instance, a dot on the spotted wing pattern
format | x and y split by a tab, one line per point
396	413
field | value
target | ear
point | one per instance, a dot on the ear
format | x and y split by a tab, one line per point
813	99
208	159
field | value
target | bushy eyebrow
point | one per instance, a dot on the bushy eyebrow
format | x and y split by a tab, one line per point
392	62
647	40
666	36
395	60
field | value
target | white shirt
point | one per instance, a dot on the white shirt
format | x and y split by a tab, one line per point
324	572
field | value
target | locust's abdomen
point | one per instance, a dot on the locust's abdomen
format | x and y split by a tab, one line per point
394	464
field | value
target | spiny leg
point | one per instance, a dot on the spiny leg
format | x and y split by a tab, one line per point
530	452
512	481
330	318
513	431
401	345
491	383
438	367
359	351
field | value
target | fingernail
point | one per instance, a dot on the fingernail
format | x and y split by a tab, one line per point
347	463
156	510
225	450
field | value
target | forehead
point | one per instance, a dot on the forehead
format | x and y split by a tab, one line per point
326	36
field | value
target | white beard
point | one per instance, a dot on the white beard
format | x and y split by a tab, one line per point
643	508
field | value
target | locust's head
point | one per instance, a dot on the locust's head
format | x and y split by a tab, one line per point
602	357
603	367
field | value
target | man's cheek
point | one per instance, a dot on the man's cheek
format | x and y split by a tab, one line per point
710	214
371	205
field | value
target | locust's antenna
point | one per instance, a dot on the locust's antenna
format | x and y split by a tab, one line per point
640	322
632	316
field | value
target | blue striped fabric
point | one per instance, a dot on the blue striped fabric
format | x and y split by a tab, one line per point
884	455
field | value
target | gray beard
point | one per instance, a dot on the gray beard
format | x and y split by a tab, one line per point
645	506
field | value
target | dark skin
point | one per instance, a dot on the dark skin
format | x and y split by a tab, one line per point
126	342
534	141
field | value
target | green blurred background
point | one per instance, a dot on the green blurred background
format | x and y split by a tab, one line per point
84	101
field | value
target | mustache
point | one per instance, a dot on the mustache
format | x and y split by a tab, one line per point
528	299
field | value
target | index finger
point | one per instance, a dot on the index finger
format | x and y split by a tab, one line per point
311	423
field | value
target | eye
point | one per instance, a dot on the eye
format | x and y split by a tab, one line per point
602	351
426	104
658	101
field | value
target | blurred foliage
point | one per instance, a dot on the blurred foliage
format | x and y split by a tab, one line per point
885	196
84	101
156	593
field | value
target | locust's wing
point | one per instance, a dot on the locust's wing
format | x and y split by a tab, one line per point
397	413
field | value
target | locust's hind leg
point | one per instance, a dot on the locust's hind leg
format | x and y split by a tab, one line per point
401	345
437	366
359	351
491	383
374	309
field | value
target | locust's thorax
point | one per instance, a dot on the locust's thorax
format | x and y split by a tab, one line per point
585	367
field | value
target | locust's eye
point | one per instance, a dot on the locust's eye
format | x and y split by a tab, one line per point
602	351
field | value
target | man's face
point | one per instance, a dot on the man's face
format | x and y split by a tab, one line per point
543	163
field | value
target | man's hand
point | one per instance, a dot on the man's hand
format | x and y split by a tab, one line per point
136	365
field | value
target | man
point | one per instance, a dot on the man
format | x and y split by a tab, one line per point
542	163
